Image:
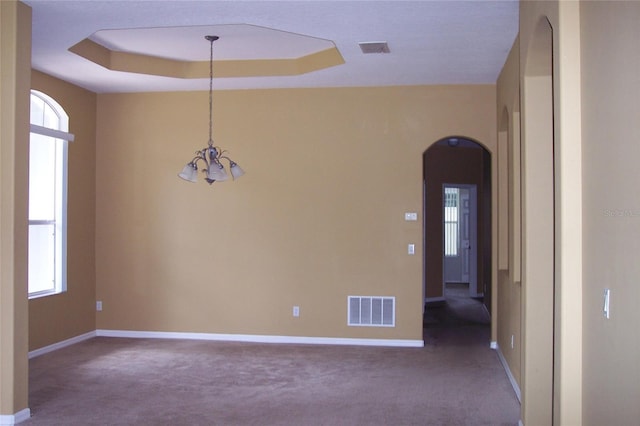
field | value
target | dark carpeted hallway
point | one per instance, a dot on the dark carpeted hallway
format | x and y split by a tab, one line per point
459	320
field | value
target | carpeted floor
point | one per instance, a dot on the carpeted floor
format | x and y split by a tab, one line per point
459	309
454	380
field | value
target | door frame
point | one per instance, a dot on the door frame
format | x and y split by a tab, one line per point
437	160
473	238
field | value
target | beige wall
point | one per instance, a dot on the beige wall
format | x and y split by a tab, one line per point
611	132
595	89
318	216
56	318
550	63
15	67
509	281
539	109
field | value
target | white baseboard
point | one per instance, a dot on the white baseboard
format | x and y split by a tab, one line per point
253	338
62	344
16	418
512	379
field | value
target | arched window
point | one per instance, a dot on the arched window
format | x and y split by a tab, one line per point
47	196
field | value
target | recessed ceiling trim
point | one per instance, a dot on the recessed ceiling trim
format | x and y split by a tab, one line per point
150	65
237	42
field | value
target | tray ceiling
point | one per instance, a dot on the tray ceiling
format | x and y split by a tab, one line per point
429	42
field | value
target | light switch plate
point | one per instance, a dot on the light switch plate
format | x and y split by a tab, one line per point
411	216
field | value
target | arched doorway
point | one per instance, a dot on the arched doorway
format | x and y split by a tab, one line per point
538	228
457	229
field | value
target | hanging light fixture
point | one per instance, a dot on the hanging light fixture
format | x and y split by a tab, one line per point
211	155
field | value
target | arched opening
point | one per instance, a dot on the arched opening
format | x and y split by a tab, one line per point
538	228
457	232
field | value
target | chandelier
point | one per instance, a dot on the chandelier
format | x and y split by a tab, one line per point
211	155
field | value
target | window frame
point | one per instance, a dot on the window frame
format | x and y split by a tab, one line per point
61	137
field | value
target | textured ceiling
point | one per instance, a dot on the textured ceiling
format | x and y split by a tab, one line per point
430	42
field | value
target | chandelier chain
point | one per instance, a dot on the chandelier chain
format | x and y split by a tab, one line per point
211	94
211	155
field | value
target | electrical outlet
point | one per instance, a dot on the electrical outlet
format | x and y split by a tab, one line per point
411	249
296	311
99	305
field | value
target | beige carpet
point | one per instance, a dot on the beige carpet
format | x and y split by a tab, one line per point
454	380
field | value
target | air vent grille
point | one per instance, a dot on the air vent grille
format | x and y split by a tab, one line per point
371	311
374	47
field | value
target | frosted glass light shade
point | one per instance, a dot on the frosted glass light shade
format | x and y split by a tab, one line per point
217	172
189	172
236	171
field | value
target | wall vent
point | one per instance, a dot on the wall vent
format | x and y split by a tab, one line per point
371	311
374	47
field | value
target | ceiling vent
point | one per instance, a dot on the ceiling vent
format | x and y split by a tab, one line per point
374	47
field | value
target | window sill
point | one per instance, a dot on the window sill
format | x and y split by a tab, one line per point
42	294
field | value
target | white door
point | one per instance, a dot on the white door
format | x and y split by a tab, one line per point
460	256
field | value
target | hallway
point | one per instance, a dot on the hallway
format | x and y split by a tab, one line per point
461	327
